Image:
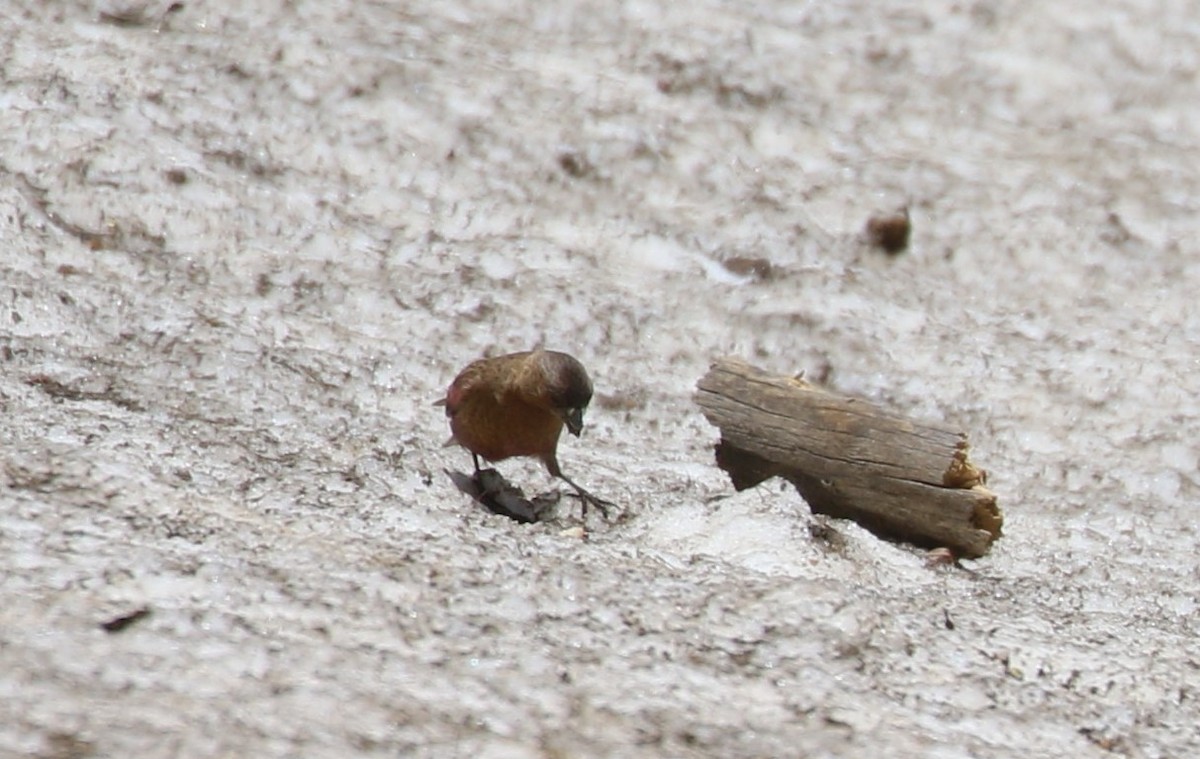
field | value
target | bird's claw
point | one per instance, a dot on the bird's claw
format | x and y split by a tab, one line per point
588	499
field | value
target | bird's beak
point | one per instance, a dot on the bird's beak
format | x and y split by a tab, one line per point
574	420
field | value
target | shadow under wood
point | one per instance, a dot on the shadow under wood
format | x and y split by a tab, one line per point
825	496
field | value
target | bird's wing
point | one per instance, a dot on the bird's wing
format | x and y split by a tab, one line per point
462	386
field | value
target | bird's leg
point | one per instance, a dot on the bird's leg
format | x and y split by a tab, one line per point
491	483
584	496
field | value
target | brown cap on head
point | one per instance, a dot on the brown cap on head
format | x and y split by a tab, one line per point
568	387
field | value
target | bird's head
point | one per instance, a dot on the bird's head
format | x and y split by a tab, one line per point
568	388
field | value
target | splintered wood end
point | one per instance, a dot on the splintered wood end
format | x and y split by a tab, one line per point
962	473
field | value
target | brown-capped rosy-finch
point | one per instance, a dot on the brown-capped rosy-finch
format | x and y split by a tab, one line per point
517	405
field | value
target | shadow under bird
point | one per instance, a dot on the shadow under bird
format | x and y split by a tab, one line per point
517	405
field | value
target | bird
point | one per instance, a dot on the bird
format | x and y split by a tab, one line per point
517	405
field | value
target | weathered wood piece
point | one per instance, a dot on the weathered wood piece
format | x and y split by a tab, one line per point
901	478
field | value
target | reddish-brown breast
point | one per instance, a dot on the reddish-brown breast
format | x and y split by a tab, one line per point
498	409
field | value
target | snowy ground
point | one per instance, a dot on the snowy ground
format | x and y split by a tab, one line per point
247	245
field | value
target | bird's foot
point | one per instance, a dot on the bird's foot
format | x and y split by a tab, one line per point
491	482
587	499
